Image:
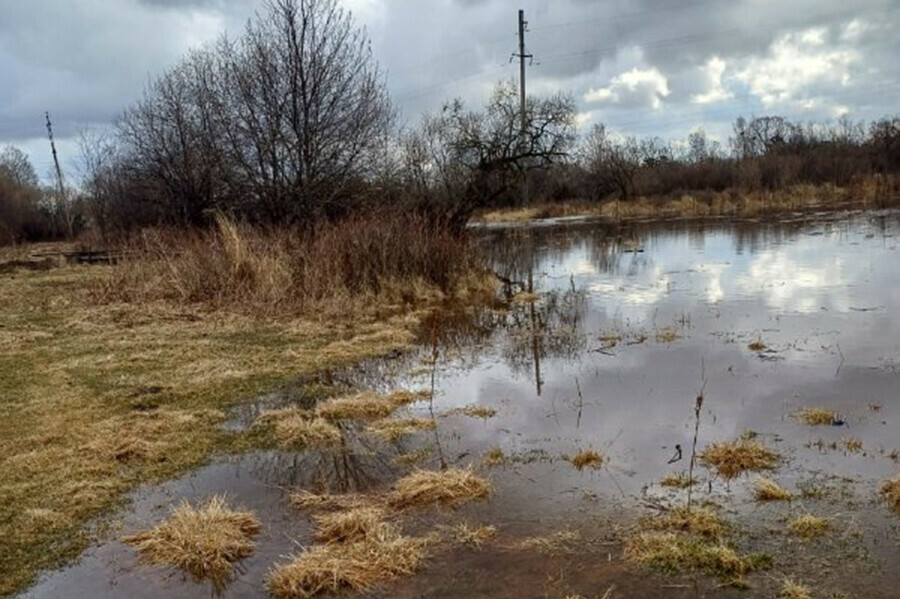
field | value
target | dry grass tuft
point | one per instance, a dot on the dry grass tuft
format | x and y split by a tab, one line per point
587	458
207	542
667	335
494	457
473	536
326	502
891	492
366	405
562	541
451	488
295	430
349	526
816	416
383	555
793	590
731	459
475	411
809	526
678	480
702	521
768	490
757	346
396	429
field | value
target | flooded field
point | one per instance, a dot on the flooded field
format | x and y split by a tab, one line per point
605	340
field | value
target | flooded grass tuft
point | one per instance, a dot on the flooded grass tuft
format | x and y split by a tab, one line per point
702	521
494	457
448	488
326	502
816	416
852	444
475	411
765	489
809	526
349	526
366	405
667	335
678	480
757	346
383	555
676	553
396	429
731	459
207	542
587	458
472	536
295	430
561	541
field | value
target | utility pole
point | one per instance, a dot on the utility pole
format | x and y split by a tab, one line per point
523	27
61	188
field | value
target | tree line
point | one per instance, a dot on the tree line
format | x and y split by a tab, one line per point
291	123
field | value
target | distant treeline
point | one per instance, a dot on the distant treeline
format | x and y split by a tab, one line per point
291	123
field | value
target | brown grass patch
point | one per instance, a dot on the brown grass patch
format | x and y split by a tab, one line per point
396	429
675	553
206	542
494	457
451	488
587	458
891	492
809	526
678	480
852	444
731	459
349	526
327	502
816	416
366	405
793	590
383	555
765	489
702	521
667	335
297	431
757	346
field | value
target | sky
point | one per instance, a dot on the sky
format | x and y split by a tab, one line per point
642	67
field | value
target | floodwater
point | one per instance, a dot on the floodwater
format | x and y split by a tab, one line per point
630	324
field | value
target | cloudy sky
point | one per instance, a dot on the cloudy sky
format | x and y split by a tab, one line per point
661	67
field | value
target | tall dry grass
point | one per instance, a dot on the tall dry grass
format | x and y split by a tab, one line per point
385	260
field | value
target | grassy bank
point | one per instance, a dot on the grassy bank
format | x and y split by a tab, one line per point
864	194
114	376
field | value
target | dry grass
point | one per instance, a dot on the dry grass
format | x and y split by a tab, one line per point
384	554
349	526
675	553
450	488
296	431
852	444
731	459
667	335
891	493
561	541
816	416
206	542
765	489
678	480
366	405
757	346
473	536
587	458
702	521
475	411
809	526
793	590
396	429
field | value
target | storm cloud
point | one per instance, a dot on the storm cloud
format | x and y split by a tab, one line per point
662	67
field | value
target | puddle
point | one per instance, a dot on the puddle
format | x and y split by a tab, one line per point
629	325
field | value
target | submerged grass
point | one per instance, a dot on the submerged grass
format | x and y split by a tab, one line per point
809	526
475	411
494	457
295	430
678	480
473	536
449	488
394	429
701	521
366	405
561	541
206	542
731	459
327	502
793	590
675	553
